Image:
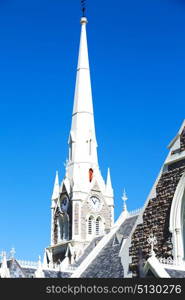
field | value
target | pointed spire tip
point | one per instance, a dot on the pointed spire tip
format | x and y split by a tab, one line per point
109	188
56	187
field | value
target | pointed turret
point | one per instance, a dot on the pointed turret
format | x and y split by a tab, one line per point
39	272
109	189
56	188
45	260
4	271
109	194
12	253
54	198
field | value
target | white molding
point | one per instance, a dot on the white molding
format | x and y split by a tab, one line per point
135	212
157	269
177	136
28	264
175	224
172	158
169	263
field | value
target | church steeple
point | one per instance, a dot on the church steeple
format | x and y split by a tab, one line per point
83	205
82	140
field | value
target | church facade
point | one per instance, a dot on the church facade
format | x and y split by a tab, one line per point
85	240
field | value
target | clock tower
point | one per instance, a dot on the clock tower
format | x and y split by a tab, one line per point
82	205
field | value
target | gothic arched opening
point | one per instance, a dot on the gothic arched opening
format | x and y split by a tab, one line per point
90	174
90	225
98	226
177	221
63	222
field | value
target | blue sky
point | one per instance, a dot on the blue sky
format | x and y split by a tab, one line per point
137	59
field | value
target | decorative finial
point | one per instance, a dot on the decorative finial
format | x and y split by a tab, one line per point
12	252
39	263
124	198
39	271
2	254
83	4
152	241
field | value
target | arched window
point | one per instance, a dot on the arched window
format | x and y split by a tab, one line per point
177	221
63	222
90	174
61	228
66	227
98	226
90	225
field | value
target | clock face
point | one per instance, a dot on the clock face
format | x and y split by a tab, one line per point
95	203
64	204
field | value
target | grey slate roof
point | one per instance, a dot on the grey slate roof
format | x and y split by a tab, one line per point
30	273
56	274
16	271
89	248
107	263
175	273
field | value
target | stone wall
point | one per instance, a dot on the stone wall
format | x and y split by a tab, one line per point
156	220
76	218
104	213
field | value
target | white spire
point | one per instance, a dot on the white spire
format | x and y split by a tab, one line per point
83	93
82	138
45	260
56	188
4	271
109	189
39	272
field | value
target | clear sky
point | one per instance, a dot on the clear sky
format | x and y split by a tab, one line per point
137	59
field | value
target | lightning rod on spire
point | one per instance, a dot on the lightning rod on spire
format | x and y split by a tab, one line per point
83	4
